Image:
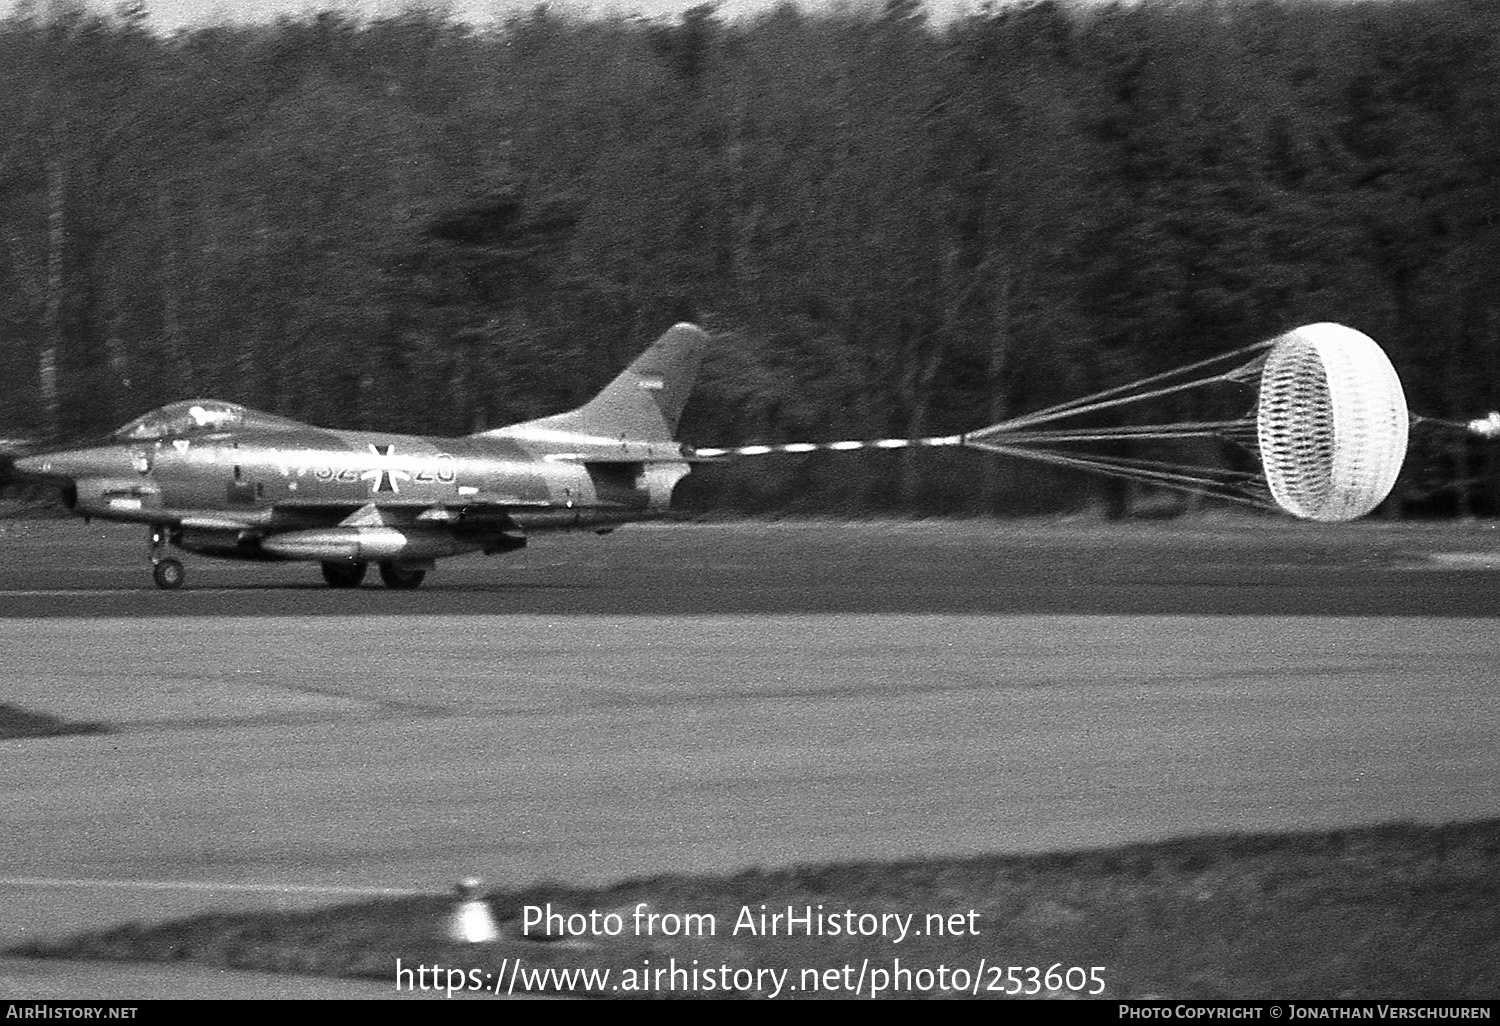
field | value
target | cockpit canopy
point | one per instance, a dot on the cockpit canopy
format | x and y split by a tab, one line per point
193	418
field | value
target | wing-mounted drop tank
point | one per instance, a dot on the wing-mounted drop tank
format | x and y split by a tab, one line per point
369	544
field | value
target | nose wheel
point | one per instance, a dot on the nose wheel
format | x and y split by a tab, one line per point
168	574
165	571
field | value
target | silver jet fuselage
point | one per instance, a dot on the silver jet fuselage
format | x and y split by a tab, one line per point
249	476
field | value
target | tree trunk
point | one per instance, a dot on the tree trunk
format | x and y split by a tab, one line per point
171	300
53	341
1001	342
255	340
921	402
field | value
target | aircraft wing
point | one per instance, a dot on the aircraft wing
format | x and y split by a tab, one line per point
216	523
341	513
416	504
635	452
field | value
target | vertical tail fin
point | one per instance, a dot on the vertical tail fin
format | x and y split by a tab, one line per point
644	403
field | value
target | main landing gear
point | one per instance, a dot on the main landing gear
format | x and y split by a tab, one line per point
344	575
401	578
165	571
349	575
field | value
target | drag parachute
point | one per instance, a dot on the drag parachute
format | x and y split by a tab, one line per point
1328	428
1331	423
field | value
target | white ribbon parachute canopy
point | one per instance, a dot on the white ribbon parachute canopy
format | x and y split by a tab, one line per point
1328	427
1331	421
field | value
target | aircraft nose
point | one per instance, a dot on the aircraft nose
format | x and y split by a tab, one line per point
76	463
25	464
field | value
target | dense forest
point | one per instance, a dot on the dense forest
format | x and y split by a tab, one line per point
895	227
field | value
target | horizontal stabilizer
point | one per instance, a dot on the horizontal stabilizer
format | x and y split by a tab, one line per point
628	453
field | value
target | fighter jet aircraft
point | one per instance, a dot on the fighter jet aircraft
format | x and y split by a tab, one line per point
220	479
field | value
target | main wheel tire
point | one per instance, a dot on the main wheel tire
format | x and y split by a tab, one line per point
401	578
344	575
168	574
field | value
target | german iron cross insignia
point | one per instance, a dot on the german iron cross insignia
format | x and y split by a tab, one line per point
384	476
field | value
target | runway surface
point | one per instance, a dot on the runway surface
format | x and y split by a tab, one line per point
1269	566
711	698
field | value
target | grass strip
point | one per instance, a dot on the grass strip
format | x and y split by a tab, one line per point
1389	912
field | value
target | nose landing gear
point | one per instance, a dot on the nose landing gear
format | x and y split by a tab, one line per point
165	571
168	574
